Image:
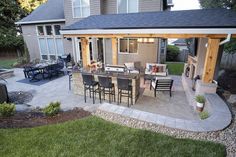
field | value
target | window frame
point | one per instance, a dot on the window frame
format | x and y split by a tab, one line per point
125	53
127	6
81	12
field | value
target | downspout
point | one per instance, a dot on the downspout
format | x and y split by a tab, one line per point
226	40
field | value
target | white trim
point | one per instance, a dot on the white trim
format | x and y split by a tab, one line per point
152	31
73	12
127	5
40	21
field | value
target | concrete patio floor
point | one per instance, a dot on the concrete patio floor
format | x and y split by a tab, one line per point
57	90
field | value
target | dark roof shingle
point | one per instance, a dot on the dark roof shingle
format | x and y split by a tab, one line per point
202	18
51	10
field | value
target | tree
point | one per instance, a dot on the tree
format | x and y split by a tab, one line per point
30	5
228	4
172	53
10	11
230	47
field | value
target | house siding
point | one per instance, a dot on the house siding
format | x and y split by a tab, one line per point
110	6
150	5
31	40
95	9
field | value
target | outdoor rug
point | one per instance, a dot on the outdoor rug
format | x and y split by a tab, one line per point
36	83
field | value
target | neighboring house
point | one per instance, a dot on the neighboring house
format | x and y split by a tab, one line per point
182	45
41	30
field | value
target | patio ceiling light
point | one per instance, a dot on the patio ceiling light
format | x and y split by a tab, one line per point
146	40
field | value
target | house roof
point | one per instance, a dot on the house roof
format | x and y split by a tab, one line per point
202	18
180	42
51	11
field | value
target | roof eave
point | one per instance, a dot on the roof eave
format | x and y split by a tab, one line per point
40	21
153	31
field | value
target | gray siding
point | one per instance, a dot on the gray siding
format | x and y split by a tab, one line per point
150	5
95	9
110	6
30	38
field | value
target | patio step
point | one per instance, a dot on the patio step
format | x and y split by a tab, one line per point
217	121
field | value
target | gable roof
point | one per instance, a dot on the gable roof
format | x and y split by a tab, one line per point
180	42
51	11
202	18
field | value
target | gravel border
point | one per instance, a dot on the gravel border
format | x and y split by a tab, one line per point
226	137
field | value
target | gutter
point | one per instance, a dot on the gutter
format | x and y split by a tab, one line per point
41	21
226	40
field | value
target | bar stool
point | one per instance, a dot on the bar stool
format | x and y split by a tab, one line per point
106	87
90	85
124	89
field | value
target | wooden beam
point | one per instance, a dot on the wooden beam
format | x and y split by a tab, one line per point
217	36
114	51
210	60
85	51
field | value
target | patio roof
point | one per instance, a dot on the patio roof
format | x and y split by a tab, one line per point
202	21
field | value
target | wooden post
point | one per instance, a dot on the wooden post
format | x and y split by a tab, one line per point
85	51
114	51
210	60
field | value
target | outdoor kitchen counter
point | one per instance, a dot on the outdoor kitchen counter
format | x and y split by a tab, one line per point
78	87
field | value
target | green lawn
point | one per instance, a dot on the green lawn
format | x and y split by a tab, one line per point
7	63
175	68
93	136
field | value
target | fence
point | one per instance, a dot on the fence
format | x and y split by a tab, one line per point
228	61
10	53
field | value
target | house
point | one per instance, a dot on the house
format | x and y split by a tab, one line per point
41	30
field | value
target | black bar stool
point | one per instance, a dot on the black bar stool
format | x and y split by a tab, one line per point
106	87
90	84
125	89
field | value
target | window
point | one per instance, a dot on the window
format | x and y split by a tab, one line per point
127	6
50	41
128	45
40	30
81	8
49	30
57	29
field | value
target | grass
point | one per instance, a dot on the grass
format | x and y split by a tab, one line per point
93	136
7	63
175	68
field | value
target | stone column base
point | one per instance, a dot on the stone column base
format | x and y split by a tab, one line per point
202	88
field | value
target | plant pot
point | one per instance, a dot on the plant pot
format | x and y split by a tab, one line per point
200	106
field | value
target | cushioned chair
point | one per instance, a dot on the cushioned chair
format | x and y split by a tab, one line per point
133	67
162	85
156	69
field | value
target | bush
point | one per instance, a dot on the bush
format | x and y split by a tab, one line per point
7	110
200	99
52	109
172	53
204	115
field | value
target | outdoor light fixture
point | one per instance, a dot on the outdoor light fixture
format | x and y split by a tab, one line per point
146	40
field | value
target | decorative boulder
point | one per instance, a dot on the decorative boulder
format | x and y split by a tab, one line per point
3	93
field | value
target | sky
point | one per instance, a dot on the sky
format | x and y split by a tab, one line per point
185	4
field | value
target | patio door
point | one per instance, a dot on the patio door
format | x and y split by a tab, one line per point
78	50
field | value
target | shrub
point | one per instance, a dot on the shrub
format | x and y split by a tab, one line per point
204	115
200	99
7	110
172	53
52	109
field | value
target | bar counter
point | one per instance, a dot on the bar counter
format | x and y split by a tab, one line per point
78	87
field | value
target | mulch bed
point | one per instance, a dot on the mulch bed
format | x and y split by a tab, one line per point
33	119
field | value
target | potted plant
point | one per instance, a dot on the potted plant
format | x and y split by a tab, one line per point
200	102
